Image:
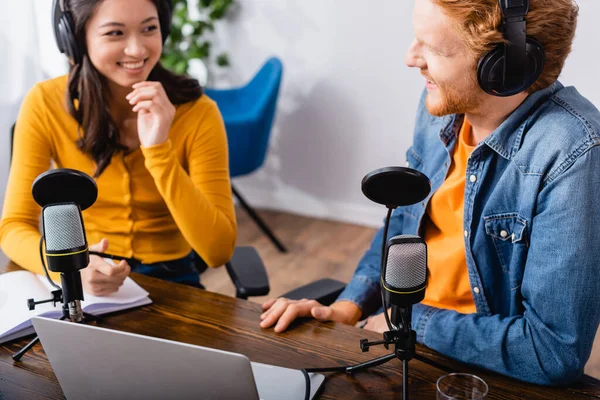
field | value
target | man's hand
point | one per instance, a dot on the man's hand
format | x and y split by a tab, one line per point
376	323
283	311
101	278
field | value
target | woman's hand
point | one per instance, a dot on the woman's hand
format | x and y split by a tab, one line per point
101	278
155	112
284	311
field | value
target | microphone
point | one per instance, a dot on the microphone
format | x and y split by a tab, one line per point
395	187
63	193
403	269
404	277
66	251
403	263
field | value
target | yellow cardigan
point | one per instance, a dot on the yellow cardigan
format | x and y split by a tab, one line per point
154	203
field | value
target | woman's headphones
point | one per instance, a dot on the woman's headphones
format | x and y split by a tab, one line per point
64	28
512	68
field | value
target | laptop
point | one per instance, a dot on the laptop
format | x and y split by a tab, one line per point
99	363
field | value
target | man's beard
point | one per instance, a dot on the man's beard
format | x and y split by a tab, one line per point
455	99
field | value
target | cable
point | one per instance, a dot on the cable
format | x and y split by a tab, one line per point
328	369
44	264
349	369
307	380
353	368
383	262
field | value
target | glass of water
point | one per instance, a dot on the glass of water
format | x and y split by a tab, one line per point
459	386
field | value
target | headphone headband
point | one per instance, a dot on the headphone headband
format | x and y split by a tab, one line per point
515	28
514	8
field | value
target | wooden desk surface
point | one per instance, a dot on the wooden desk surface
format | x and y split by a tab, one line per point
198	317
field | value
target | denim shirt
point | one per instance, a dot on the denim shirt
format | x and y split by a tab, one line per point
531	214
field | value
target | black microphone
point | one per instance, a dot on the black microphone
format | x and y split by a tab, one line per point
395	187
66	251
404	278
63	194
403	269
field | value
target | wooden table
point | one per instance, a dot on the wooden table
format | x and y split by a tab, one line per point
198	317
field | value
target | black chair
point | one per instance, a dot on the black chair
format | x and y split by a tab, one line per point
249	276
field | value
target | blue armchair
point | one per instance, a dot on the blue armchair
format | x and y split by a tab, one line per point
248	113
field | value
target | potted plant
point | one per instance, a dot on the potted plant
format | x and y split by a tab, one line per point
188	48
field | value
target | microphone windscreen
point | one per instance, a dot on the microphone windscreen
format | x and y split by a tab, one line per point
63	227
62	186
396	186
406	265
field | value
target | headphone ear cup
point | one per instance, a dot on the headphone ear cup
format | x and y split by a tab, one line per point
56	14
490	70
66	38
64	33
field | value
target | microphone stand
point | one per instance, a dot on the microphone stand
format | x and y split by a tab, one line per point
404	349
387	186
402	337
57	297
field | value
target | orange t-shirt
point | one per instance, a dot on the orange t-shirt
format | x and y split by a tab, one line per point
448	285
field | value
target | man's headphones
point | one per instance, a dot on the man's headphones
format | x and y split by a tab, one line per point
512	68
64	28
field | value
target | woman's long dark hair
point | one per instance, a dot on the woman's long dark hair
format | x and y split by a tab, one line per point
88	97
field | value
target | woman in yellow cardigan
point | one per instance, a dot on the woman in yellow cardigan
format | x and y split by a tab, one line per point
155	145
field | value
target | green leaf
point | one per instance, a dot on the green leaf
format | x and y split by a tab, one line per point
223	60
199	46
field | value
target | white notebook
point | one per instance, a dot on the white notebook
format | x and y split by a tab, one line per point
18	286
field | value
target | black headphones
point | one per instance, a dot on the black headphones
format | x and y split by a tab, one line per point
64	28
510	69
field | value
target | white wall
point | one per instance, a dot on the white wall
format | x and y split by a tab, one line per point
28	55
348	101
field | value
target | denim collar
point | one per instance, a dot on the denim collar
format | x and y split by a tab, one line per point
506	139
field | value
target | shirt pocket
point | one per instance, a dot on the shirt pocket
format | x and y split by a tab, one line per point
508	232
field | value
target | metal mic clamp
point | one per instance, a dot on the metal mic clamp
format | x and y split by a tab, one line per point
365	344
56	298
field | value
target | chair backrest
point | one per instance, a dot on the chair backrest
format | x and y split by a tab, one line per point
263	92
248	113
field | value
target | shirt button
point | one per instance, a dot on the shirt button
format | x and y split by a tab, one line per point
503	233
473	178
466	233
476	290
408	164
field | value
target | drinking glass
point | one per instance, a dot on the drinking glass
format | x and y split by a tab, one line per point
459	386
